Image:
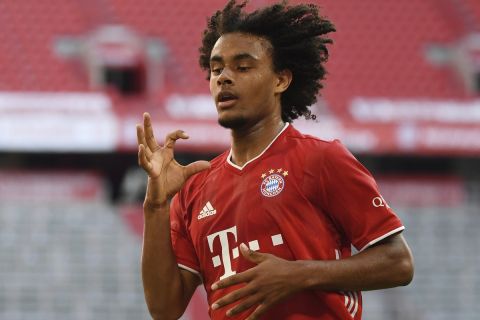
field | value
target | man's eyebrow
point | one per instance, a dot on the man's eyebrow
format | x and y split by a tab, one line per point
216	59
243	56
237	57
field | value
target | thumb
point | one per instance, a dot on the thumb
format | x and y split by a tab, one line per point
250	255
196	167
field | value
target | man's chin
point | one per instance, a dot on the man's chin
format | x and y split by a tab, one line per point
232	123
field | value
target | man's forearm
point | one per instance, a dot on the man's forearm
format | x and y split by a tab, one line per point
385	265
162	280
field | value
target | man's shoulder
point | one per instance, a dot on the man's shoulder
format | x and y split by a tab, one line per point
195	183
311	142
316	151
216	164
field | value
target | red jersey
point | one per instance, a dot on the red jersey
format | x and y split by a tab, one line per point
302	198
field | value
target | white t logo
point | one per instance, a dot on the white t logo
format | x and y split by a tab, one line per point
226	259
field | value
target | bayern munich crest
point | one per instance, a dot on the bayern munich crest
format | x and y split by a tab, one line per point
273	182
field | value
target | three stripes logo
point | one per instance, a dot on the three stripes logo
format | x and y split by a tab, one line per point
351	302
351	298
207	211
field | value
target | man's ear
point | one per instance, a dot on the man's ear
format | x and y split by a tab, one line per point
284	78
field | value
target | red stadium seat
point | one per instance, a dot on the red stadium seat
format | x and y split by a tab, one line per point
379	47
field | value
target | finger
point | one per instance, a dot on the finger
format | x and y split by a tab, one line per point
141	141
261	309
232	297
196	167
151	142
252	256
244	305
142	159
140	136
232	280
172	137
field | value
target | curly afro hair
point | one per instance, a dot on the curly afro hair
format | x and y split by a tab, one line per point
297	36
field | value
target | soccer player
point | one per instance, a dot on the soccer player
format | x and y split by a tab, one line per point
267	226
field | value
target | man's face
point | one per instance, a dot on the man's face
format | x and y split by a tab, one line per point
242	81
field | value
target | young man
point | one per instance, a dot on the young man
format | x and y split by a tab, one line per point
267	226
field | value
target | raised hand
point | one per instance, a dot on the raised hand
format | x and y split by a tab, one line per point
270	281
165	175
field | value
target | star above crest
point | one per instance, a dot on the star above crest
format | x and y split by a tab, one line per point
271	171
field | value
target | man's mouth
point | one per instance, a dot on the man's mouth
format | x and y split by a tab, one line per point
226	99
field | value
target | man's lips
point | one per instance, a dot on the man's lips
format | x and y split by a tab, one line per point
227	103
226	99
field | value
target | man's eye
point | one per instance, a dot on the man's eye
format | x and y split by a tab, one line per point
243	69
216	71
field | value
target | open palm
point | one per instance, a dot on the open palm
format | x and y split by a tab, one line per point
166	176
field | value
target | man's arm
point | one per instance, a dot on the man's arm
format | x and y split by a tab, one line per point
384	265
167	288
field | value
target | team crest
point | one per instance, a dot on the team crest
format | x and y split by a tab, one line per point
273	182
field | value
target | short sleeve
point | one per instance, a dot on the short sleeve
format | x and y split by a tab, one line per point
353	200
181	241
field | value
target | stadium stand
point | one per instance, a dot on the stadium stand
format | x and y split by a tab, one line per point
68	260
380	51
76	256
387	62
29	29
68	252
446	276
65	253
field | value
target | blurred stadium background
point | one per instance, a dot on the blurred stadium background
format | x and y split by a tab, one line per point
76	75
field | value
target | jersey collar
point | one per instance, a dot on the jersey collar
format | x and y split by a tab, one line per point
229	161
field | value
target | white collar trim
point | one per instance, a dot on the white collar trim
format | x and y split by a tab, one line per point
264	150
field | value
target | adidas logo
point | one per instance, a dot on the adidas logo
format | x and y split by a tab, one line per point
207	211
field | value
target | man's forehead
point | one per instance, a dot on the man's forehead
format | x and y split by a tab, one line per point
232	45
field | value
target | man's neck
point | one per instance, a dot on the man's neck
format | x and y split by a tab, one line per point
249	143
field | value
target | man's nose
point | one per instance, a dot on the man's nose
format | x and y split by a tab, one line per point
225	77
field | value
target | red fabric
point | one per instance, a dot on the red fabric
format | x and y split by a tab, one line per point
320	201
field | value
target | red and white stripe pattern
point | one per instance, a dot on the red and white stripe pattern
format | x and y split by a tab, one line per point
351	298
351	303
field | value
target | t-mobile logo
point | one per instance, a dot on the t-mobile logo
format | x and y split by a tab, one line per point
229	253
225	259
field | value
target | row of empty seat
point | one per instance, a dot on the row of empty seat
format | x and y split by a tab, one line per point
80	260
62	260
379	47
